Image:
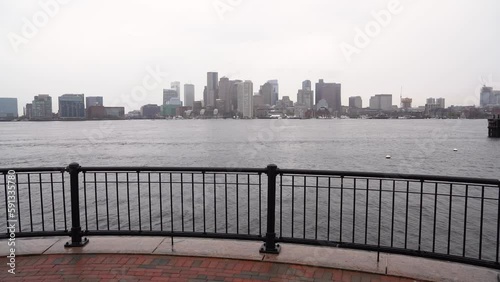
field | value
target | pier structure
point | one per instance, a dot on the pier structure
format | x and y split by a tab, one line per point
494	127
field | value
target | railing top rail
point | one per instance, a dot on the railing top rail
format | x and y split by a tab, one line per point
33	169
174	169
417	177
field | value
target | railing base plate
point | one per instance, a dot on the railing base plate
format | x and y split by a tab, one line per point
276	250
72	244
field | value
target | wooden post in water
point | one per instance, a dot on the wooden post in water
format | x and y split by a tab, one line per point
494	127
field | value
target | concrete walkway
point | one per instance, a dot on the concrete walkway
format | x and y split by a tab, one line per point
135	258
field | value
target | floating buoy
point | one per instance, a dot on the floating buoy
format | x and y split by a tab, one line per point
388	157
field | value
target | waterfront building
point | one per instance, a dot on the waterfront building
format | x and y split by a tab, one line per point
306	85
197	107
72	106
305	98
225	95
150	111
169	94
101	112
28	111
276	91
42	107
220	106
441	102
381	102
486	96
234	94
188	95
245	99
212	89
93	101
332	94
355	102
430	101
406	103
267	92
176	85
8	108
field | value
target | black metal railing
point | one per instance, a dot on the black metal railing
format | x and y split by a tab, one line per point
449	218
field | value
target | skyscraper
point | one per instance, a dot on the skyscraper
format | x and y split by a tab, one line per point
430	101
381	102
441	103
188	95
305	98
93	101
212	89
8	108
306	85
42	107
245	99
331	93
72	106
169	94
487	96
225	95
267	92
276	90
176	85
355	102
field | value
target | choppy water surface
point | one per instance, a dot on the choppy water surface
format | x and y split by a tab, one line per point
416	146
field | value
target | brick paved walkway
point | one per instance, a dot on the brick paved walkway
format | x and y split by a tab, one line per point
86	267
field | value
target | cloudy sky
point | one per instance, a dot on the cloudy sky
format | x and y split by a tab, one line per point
445	48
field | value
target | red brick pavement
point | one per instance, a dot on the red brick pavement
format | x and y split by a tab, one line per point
87	267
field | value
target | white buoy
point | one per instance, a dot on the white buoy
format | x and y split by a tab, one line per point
455	150
388	156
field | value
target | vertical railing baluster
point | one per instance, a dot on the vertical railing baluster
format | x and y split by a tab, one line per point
329	207
406	212
19	207
317	197
270	245
366	209
117	202
498	226
192	201
5	183
225	200
215	202
182	202
420	215
237	206
139	199
150	205
76	229
107	198
481	224
354	212
393	207
379	217
85	200
53	204
465	219
341	206
96	209
281	205
449	218
161	202
248	203
435	219
29	197
293	203
41	200
260	204
204	207
172	204
64	201
128	203
305	207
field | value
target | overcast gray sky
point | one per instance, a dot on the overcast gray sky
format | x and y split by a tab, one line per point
431	48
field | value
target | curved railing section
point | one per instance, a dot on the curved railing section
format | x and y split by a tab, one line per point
450	218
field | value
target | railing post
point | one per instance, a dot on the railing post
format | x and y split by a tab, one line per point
76	229
270	246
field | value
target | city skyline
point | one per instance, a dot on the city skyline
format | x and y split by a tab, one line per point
78	57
